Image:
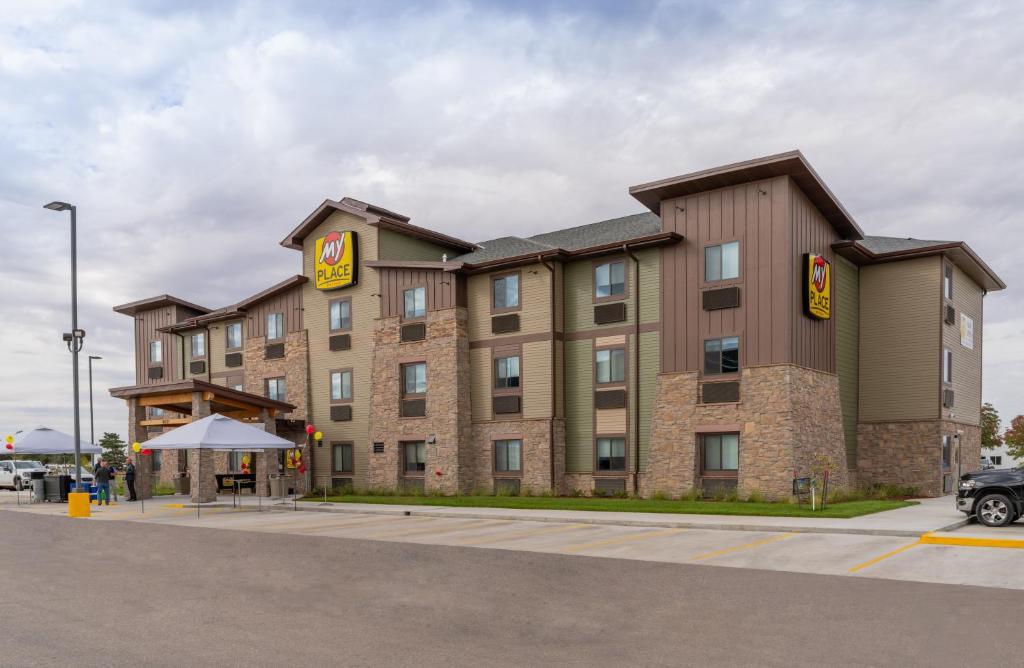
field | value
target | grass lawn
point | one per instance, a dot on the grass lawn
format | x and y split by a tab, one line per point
843	510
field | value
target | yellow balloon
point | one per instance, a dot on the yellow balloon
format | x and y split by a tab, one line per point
10	439
245	459
318	436
136	447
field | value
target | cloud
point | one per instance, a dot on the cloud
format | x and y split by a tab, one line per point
191	133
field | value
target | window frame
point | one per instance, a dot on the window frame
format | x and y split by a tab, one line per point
266	388
722	374
609	260
624	347
705	472
227	337
946	456
149	358
947	282
519	292
406	473
401	379
721	282
426	303
351	385
156	460
506	438
267	323
330	305
500	353
947	367
352	457
192	346
614	473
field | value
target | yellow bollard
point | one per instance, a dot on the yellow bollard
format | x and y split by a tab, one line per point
78	504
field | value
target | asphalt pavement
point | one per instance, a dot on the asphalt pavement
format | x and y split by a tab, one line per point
89	593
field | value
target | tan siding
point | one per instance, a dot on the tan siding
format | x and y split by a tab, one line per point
579	406
186	343
559	379
813	341
846	296
480	383
610	421
537	379
899	340
967	299
365	310
535	300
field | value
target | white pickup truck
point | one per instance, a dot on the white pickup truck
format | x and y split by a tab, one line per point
16	473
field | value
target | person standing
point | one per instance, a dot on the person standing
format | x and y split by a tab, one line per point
102	475
129	478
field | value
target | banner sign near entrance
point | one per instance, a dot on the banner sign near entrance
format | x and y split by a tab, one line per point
335	260
817	287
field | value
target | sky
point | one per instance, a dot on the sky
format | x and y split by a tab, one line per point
193	136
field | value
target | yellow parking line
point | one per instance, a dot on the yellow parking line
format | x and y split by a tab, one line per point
622	539
893	553
745	546
321	527
515	535
437	529
969	541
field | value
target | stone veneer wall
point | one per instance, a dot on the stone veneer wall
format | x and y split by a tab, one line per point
294	366
448	419
787	416
910	453
536	453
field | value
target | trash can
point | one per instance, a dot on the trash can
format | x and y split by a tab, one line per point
38	489
276	485
182	484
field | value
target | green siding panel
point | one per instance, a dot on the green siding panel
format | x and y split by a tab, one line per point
579	406
579	296
394	246
847	306
650	365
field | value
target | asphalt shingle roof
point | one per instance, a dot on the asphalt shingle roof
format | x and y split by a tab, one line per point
882	245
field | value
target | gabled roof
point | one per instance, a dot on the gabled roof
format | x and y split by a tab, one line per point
792	164
875	250
374	215
150	303
237	310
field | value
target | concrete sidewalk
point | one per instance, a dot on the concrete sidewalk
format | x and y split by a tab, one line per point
913	521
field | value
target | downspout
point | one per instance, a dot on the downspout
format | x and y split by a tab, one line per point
636	367
554	379
208	349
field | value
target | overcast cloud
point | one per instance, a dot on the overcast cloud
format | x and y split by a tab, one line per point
194	137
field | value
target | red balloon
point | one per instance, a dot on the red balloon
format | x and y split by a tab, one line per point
310	429
147	451
10	447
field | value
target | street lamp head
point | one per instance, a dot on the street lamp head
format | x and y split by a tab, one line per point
57	206
95	357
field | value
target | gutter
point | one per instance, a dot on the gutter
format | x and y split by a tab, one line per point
554	378
636	366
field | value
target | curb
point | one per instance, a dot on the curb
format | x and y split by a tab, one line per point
969	541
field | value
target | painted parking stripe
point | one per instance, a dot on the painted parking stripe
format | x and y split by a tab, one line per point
516	535
622	539
746	546
883	557
438	529
971	541
326	527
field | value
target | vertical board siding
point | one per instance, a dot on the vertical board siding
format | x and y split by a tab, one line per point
813	341
146	325
442	289
846	292
900	351
579	406
967	299
289	303
757	215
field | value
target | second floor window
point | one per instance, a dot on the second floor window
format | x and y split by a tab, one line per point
506	372
341	386
947	365
722	355
275	326
506	291
275	389
611	365
610	279
341	315
234	335
414	379
415	302
156	354
722	262
198	345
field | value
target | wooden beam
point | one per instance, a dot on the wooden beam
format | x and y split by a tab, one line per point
165	399
164	422
207	396
240	415
235	403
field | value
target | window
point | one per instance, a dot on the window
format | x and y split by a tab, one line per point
238	386
156	412
611	454
721	452
610	279
414	378
947	281
506	372
722	355
234	335
157	458
341	457
997	460
275	326
505	292
156	355
275	389
415	302
947	365
722	262
611	365
198	345
508	456
341	385
341	315
235	460
414	457
947	452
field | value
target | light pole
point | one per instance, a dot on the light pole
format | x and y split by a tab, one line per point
75	339
92	425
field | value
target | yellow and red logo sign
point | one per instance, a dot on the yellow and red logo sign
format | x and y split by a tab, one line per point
335	260
817	287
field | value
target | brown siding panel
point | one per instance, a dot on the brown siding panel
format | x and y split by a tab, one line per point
813	341
443	289
289	303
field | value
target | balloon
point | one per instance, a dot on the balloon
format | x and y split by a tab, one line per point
10	447
318	436
147	451
136	447
245	460
9	439
310	429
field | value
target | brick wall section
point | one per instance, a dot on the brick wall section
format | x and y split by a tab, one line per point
201	462
787	416
294	366
446	351
536	453
910	453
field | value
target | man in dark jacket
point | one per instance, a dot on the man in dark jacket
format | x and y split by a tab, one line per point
129	478
102	475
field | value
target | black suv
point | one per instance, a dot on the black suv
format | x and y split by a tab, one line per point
995	497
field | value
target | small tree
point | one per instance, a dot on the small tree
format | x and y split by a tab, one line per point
1014	438
990	424
113	449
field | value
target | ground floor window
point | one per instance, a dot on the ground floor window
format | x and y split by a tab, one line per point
721	453
158	459
235	462
997	460
414	457
611	454
947	452
508	456
341	457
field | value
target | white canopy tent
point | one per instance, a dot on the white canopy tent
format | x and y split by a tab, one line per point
46	441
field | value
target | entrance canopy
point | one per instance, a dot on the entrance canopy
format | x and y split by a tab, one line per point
218	432
177	397
46	441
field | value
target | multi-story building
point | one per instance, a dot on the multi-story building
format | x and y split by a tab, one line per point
739	333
